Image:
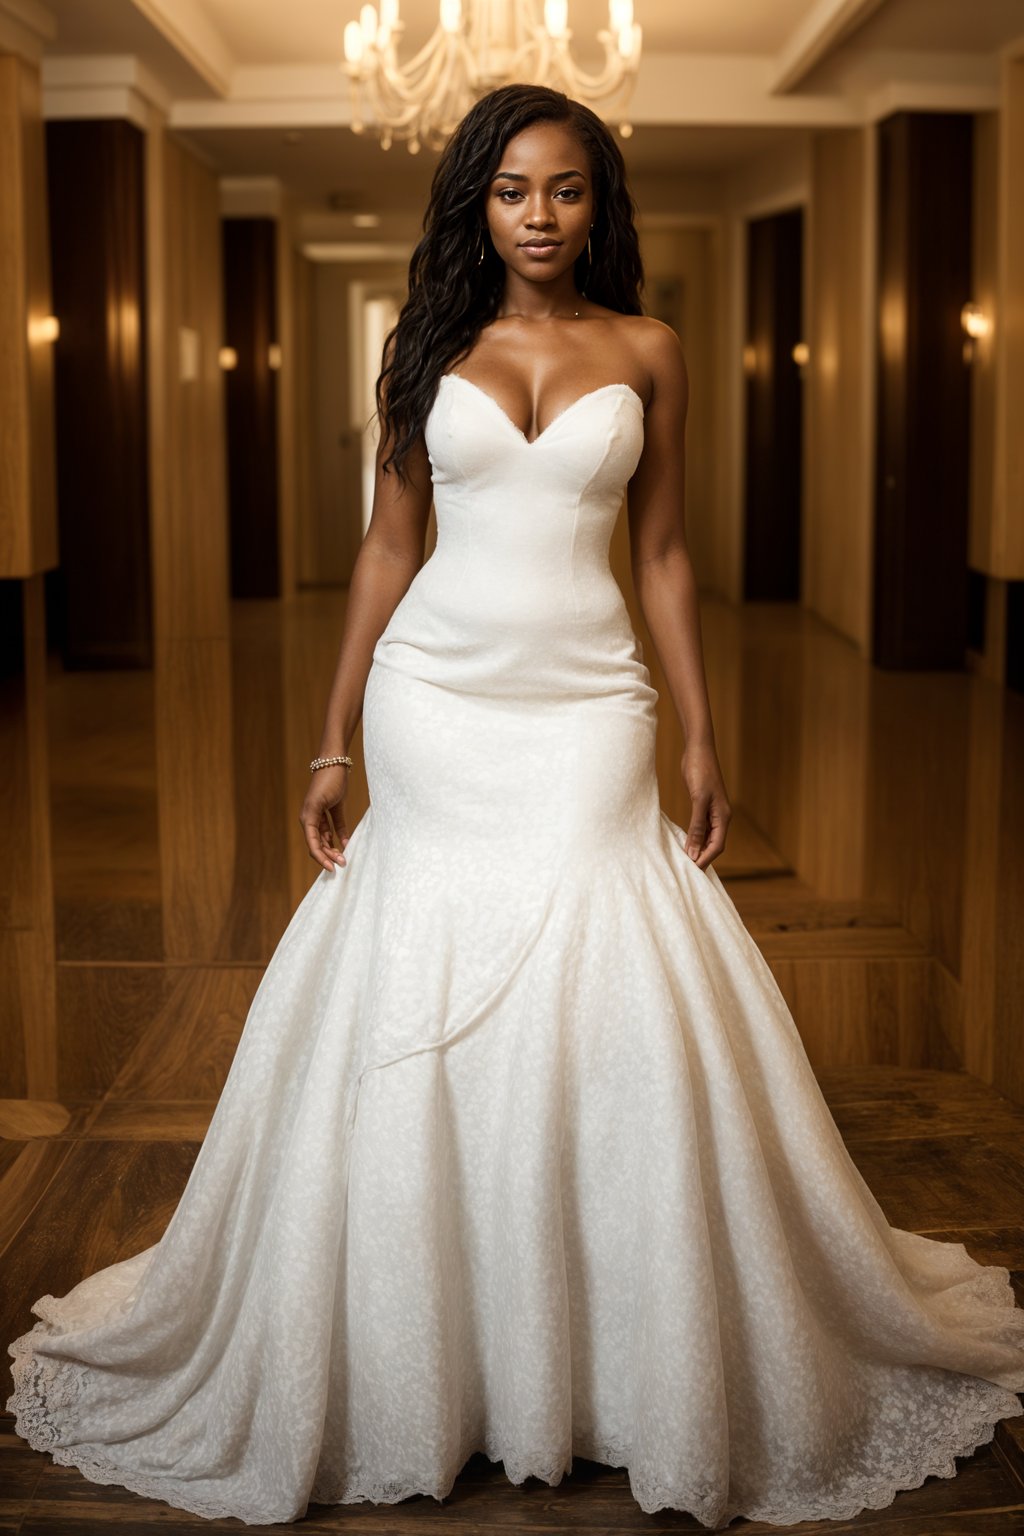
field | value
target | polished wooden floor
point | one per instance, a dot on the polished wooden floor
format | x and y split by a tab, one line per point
875	855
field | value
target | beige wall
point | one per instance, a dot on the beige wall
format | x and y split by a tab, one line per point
333	530
839	452
689	255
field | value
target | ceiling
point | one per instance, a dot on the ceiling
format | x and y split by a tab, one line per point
255	85
261	32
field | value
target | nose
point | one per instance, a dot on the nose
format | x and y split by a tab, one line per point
538	215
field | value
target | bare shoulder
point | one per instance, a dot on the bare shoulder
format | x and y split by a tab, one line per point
658	355
660	351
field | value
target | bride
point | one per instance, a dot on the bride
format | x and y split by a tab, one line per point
520	1151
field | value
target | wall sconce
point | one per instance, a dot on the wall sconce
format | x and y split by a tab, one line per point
228	358
801	354
975	321
976	326
274	355
45	328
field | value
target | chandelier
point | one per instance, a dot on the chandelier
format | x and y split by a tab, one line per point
477	46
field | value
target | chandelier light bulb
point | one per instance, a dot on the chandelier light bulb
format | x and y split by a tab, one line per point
974	321
477	46
451	16
353	42
556	17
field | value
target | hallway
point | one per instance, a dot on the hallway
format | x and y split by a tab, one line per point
206	241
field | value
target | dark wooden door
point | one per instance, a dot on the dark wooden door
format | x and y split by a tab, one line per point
99	598
774	407
250	309
923	390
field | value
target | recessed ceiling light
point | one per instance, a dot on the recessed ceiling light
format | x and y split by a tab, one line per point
366	220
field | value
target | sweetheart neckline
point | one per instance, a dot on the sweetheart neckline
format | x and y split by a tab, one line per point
531	442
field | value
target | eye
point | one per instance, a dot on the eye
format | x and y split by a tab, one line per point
574	193
503	193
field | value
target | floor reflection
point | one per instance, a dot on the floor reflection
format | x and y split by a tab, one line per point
874	853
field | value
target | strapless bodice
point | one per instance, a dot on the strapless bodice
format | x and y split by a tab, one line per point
518	597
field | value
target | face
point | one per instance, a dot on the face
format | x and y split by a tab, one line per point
540	204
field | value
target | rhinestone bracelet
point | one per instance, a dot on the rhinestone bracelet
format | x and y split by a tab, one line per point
325	762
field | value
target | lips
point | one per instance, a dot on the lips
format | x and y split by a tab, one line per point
540	245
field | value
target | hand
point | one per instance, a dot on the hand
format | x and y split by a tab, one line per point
710	810
324	797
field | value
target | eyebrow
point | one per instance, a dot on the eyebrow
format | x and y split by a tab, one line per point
515	176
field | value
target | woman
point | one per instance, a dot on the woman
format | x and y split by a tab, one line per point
520	1150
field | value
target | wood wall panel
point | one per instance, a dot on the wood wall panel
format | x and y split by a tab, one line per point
28	548
289	444
1007	544
983	382
188	484
837	501
28	505
28	1013
192	674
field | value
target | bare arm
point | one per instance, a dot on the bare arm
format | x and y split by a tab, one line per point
389	557
666	588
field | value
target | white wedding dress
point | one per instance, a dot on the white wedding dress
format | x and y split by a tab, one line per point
520	1151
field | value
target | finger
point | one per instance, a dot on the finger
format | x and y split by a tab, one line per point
327	843
715	846
313	843
697	832
337	838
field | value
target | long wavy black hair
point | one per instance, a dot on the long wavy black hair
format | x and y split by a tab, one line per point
452	296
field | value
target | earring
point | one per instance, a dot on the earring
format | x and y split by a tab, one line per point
589	256
483	252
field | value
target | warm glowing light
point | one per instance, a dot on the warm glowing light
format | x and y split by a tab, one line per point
478	44
801	354
975	321
749	359
274	355
46	328
228	358
556	17
353	42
